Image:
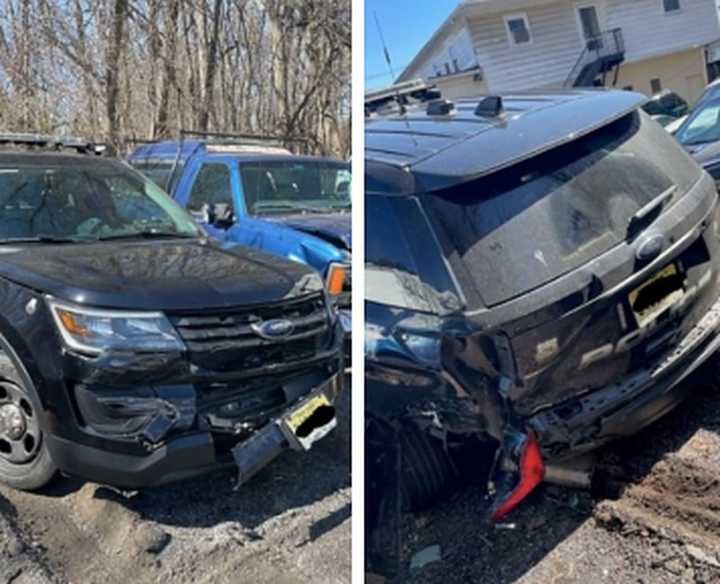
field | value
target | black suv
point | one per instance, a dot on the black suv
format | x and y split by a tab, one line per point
541	273
134	350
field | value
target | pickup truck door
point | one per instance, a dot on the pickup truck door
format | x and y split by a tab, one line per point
210	183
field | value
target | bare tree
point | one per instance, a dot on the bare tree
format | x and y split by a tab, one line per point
128	69
112	73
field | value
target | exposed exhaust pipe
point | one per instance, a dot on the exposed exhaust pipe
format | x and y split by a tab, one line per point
577	474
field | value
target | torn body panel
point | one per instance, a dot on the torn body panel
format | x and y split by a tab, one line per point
417	368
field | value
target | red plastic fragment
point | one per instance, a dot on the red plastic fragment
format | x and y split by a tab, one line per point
532	472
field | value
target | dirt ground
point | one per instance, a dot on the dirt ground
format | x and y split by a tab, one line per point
290	524
661	526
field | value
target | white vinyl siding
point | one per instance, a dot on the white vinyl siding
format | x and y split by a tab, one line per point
482	38
649	31
555	48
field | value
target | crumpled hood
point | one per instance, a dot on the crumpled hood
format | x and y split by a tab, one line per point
162	275
334	228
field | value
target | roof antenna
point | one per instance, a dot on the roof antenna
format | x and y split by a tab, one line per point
388	60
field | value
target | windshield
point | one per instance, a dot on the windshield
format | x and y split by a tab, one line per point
290	186
84	201
702	126
523	227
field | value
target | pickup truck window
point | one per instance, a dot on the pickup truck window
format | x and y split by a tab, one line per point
212	186
283	187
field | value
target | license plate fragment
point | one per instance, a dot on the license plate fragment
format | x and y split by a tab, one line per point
310	422
657	294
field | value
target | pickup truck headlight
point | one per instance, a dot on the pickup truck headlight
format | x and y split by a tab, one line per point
93	331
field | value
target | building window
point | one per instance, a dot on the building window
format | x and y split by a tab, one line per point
671	5
518	29
655	86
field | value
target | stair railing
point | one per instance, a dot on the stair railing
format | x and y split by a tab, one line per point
605	44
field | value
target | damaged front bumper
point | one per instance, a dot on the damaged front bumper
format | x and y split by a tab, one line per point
140	422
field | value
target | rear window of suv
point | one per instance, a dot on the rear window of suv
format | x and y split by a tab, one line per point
522	227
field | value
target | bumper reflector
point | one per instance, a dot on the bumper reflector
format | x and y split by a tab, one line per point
532	472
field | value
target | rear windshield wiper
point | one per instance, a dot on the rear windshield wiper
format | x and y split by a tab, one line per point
650	211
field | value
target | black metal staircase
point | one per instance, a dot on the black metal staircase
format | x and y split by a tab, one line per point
602	54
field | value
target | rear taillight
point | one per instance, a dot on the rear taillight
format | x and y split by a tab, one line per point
532	472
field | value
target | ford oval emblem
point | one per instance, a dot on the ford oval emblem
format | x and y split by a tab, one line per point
649	247
273	330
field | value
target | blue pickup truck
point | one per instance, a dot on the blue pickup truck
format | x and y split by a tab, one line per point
265	197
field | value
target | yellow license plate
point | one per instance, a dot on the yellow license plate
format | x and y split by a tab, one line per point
657	294
295	419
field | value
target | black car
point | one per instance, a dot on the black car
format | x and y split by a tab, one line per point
541	273
133	349
666	103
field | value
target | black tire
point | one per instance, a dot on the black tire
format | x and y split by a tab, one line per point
427	471
36	469
425	474
29	477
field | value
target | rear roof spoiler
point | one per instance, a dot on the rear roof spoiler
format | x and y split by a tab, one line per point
468	147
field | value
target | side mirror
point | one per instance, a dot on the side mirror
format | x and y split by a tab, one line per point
219	215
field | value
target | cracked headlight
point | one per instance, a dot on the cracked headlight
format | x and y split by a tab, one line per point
93	331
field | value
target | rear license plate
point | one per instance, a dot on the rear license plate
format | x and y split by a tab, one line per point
310	422
657	294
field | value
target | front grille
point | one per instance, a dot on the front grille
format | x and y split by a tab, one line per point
211	335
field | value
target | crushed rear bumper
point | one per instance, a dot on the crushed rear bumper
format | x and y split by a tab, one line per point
626	407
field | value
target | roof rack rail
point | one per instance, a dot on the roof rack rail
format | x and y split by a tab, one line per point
245	137
32	141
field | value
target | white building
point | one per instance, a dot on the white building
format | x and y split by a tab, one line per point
507	45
